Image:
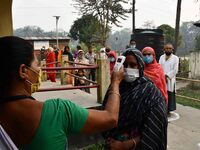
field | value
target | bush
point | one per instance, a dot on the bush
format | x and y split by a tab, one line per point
183	68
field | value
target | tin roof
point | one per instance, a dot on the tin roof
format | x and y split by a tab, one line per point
46	38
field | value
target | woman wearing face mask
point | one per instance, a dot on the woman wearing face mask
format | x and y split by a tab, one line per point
36	125
143	115
154	71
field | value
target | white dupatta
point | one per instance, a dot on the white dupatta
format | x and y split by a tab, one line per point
5	141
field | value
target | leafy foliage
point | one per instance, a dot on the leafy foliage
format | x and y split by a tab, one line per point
35	31
29	31
169	34
107	12
86	29
183	68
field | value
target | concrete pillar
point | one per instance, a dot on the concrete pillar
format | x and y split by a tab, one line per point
103	78
194	65
64	77
6	27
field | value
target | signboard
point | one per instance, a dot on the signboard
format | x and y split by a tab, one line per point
38	44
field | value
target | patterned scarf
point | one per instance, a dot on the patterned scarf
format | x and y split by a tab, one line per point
137	98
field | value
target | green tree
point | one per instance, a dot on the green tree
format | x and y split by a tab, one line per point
86	29
169	34
28	31
35	31
107	12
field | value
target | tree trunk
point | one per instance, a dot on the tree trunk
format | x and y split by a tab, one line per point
178	14
133	28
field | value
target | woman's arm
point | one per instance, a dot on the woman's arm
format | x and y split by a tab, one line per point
102	120
124	145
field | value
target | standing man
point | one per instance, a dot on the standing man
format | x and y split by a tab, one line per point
42	53
169	63
91	56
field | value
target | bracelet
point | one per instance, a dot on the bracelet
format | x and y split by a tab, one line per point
114	92
135	144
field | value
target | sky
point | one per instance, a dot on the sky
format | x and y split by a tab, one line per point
40	13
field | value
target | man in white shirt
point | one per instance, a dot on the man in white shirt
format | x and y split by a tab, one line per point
169	63
91	56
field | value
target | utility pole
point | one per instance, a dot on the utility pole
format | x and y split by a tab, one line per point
57	18
133	27
178	15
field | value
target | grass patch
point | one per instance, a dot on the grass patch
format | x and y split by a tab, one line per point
193	91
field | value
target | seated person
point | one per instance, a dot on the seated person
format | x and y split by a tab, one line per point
81	82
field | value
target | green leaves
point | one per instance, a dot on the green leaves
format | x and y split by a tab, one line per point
169	34
107	12
86	29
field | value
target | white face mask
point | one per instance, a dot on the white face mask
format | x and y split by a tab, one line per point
131	74
112	59
133	46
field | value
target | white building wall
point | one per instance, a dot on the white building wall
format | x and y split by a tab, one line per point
194	65
38	44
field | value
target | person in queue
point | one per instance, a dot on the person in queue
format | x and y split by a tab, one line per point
91	56
154	71
170	64
142	121
50	59
112	60
33	124
68	53
132	44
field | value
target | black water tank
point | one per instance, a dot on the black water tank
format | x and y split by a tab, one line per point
149	37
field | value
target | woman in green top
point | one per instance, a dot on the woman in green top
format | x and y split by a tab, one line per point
32	124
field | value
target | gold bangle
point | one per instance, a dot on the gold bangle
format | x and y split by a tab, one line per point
114	92
134	143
